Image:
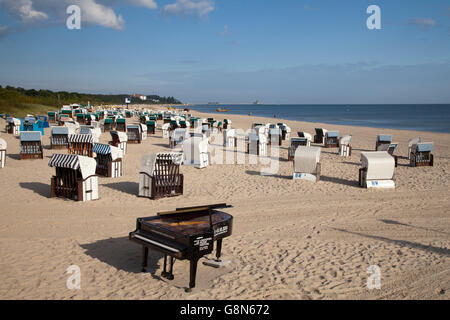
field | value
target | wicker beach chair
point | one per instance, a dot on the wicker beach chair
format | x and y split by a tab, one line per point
382	141
81	144
160	176
421	154
294	144
331	139
377	170
121	125
307	164
59	138
320	135
134	133
412	142
229	138
30	145
257	144
345	149
109	160
75	177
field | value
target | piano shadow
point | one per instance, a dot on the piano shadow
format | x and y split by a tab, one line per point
122	254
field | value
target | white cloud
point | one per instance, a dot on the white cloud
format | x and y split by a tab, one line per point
424	22
150	4
24	10
94	12
198	8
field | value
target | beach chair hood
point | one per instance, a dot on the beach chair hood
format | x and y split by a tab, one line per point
105	149
345	140
306	159
83	138
379	164
123	137
86	165
414	141
30	136
60	130
148	162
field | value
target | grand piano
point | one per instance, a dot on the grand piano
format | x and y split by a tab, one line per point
185	233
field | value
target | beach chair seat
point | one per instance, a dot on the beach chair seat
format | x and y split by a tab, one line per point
382	141
345	149
160	176
3	146
196	153
59	138
109	160
81	144
119	140
331	139
320	135
294	144
421	154
377	170
30	145
75	177
307	164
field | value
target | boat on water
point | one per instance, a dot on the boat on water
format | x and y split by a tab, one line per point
221	110
256	102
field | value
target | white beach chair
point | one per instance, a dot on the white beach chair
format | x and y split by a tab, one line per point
160	176
307	164
229	138
177	137
195	152
165	130
345	149
377	170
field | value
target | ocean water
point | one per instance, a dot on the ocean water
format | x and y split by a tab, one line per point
434	118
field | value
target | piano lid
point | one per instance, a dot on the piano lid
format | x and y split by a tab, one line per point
187	221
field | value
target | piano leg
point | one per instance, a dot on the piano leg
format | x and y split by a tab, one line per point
144	258
193	274
165	274
219	249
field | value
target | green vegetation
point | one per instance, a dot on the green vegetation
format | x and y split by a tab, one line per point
19	101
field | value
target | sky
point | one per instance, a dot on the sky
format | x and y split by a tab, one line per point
232	51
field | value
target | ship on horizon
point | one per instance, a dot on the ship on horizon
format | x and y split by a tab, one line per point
257	102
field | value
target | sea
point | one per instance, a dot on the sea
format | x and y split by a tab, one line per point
419	117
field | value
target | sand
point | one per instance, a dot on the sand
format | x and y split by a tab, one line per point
291	239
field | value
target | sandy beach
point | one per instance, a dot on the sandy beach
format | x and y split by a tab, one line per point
291	239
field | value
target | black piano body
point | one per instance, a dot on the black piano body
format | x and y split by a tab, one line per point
186	233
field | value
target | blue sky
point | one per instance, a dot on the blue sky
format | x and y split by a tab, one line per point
232	51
